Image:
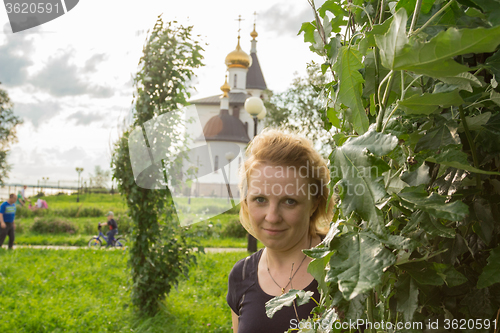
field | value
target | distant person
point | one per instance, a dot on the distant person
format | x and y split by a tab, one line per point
20	200
113	229
23	192
7	215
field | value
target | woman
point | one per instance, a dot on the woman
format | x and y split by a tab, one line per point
284	187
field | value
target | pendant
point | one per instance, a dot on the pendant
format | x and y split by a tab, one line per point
282	291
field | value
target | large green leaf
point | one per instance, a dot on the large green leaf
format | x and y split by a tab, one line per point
491	273
350	86
416	198
356	171
358	264
493	124
392	42
435	57
428	103
277	303
406	296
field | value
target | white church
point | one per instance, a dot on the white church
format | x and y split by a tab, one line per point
227	126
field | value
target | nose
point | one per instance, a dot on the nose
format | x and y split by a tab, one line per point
272	213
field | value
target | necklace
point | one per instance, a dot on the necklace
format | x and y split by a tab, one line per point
291	276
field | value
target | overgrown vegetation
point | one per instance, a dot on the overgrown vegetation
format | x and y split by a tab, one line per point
160	253
413	99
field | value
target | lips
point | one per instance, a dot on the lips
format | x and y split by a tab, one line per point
274	231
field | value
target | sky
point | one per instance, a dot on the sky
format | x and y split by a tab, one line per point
71	79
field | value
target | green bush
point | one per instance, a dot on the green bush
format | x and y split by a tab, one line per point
234	229
125	224
53	225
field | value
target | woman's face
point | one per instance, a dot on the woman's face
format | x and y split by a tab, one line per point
279	206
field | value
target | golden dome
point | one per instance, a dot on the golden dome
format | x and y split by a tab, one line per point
225	88
254	33
238	58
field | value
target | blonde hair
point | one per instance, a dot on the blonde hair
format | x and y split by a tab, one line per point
278	148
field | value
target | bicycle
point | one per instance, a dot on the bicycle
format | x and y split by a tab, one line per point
95	242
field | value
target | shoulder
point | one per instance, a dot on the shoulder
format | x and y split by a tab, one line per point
3	205
245	267
241	278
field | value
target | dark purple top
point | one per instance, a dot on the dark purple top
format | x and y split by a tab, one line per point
247	299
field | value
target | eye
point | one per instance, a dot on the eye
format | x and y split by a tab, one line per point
260	200
290	202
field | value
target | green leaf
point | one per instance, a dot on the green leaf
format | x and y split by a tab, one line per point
317	252
451	276
418	177
423	272
463	81
493	63
369	40
308	28
475	123
409	5
406	296
416	198
428	103
494	124
277	303
495	97
491	272
317	268
435	57
438	137
350	86
358	264
454	157
338	14
432	225
355	168
394	40
491	8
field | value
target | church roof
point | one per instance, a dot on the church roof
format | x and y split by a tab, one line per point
255	79
224	127
234	98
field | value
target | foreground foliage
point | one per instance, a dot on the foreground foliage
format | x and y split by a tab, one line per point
414	100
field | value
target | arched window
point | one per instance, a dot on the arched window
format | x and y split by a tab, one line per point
235	80
216	164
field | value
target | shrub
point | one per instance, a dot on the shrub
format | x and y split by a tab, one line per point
125	224
53	225
234	229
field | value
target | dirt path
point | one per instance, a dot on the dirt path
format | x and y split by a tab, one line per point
55	247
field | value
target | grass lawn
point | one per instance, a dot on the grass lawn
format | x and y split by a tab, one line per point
85	290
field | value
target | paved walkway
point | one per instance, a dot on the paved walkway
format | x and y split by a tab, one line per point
55	247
